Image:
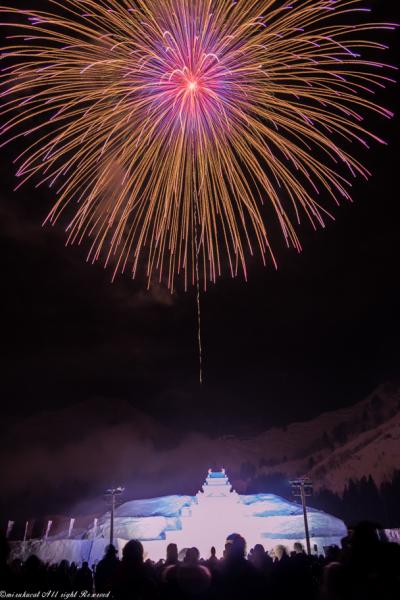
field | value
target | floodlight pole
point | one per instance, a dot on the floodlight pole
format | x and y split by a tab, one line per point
112	519
112	493
306	528
302	488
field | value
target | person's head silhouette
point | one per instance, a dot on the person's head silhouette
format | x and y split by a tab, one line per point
133	553
235	546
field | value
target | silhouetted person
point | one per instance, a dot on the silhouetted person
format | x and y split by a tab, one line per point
16	572
372	566
334	584
105	570
332	554
281	554
169	572
172	555
84	578
238	579
62	578
261	560
193	579
6	575
213	562
33	575
302	570
133	578
282	583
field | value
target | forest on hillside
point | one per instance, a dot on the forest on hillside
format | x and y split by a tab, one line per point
362	500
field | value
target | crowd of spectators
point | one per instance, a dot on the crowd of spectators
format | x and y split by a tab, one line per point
364	568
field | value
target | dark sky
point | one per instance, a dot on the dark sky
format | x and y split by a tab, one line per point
319	333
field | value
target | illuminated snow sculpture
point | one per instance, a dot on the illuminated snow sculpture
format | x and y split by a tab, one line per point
216	511
203	520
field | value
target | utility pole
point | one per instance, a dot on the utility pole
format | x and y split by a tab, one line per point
111	494
301	488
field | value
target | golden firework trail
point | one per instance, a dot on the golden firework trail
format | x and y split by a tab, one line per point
179	133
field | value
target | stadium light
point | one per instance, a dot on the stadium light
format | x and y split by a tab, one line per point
111	494
301	488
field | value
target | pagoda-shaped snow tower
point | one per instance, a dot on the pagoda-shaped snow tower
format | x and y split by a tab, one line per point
215	513
217	485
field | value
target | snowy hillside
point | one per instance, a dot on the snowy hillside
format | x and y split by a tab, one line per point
334	447
376	454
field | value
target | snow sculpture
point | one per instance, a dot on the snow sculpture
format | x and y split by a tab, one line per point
203	520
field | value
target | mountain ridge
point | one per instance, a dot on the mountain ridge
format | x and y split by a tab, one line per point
337	445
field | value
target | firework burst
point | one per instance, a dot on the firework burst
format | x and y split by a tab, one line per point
168	130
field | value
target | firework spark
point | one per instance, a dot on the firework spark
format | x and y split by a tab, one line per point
153	119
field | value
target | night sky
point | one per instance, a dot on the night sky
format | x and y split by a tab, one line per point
319	333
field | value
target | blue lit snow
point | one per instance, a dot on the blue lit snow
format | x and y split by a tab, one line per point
203	521
207	518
